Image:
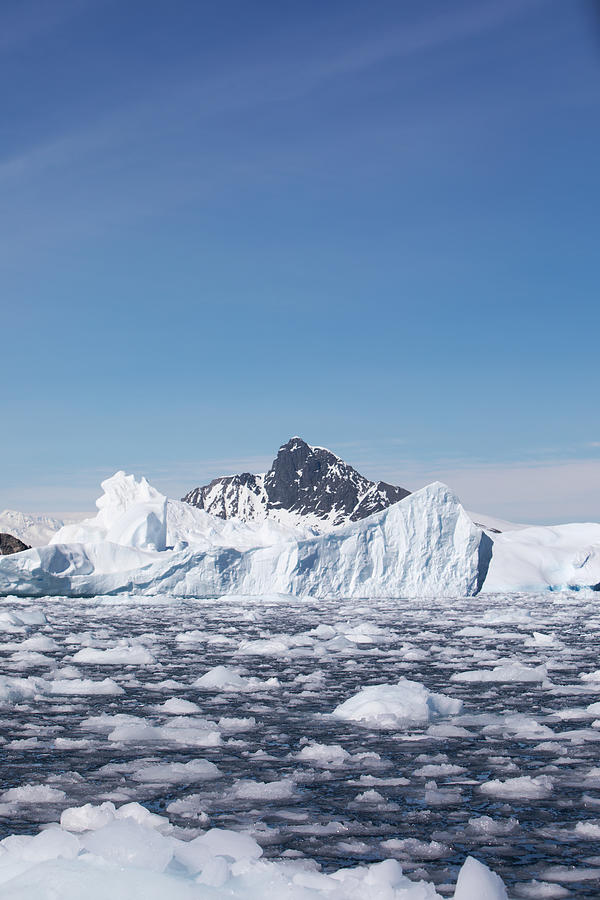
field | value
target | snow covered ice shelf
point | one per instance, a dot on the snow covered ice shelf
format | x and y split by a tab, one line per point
484	741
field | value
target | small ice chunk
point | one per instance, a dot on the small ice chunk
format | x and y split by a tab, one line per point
433	771
588	830
177	706
85	686
234	725
191	637
284	789
190	807
32	793
542	890
178	773
435	796
53	843
477	882
525	786
15	690
415	849
114	656
507	672
398	705
326	755
42	642
221	678
87	817
485	826
195	735
371	796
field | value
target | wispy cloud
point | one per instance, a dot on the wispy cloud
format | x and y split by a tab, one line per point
250	82
34	18
429	33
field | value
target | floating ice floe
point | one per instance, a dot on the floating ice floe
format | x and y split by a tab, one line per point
186	730
283	789
506	672
15	690
476	880
125	655
102	852
283	758
32	793
398	705
525	786
223	678
177	773
326	755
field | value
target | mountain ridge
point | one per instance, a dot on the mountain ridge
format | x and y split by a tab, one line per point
304	483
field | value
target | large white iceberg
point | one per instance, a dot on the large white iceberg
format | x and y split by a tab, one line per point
425	545
545	556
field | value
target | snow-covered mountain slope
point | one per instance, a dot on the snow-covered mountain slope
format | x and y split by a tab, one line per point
308	485
32	530
424	545
541	557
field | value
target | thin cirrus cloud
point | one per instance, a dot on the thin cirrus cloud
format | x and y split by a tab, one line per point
252	83
31	20
155	131
444	30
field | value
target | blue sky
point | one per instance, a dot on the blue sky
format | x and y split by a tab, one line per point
373	225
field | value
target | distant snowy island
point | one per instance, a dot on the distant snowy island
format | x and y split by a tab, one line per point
310	526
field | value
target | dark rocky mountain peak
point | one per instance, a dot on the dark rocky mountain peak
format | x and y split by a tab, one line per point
11	544
310	483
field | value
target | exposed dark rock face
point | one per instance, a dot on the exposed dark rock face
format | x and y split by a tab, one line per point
10	544
303	480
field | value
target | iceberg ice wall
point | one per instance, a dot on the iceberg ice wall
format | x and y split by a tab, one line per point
533	559
424	545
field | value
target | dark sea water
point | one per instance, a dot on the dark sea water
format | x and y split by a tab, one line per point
336	807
